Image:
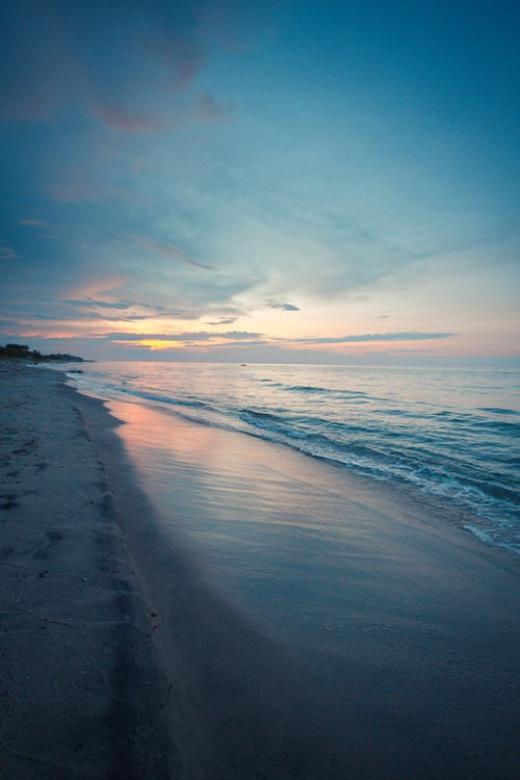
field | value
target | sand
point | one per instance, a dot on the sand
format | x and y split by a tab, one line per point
80	685
122	656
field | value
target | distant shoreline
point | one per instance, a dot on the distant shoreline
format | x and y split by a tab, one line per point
23	353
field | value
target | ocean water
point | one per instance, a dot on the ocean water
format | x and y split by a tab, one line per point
452	435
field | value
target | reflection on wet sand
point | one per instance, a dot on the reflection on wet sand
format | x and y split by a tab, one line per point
317	627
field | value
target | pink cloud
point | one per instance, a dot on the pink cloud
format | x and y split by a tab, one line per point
120	118
50	58
96	288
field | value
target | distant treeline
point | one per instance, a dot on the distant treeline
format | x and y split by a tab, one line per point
22	351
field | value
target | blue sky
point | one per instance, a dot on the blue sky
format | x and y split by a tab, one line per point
297	181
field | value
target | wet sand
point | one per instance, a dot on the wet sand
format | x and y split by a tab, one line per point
160	657
323	625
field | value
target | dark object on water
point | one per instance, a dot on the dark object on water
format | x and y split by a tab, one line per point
243	364
76	371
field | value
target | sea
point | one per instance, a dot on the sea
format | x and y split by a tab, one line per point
447	434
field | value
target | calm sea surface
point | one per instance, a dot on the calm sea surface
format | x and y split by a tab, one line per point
453	435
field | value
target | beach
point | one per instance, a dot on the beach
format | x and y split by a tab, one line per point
81	687
183	601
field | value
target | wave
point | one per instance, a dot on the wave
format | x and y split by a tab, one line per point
165	399
470	419
309	389
464	455
336	392
433	471
499	425
498	410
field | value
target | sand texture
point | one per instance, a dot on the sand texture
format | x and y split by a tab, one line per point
80	689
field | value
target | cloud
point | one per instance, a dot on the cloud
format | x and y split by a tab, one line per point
367	337
90	309
207	109
8	253
152	316
239	343
282	306
123	119
97	286
224	321
33	223
248	337
172	252
180	51
201	335
87	302
204	109
84	319
127	65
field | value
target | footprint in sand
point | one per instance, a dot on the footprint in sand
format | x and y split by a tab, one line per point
26	448
44	552
10	501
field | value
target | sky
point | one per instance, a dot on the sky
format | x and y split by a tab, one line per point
290	181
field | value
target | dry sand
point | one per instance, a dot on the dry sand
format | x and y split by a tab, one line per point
80	687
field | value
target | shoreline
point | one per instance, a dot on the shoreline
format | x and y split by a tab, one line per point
197	689
454	522
375	441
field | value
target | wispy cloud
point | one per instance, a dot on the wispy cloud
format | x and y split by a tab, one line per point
8	253
197	335
224	321
121	118
172	252
282	306
207	109
97	286
131	311
30	222
181	53
367	337
89	302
